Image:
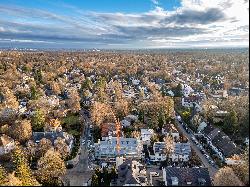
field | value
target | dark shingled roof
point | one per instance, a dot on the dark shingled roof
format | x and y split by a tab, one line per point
125	174
184	175
221	141
224	143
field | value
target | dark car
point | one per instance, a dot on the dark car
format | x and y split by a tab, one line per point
69	166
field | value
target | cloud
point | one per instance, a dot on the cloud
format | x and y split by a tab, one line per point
199	17
155	2
198	22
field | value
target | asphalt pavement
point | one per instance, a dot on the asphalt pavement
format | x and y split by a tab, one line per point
212	169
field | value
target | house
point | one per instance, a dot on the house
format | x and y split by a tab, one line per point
136	82
173	176
132	173
234	91
126	122
187	90
158	152
219	94
181	152
170	93
170	129
220	142
6	144
52	136
234	160
202	126
107	148
190	101
219	116
108	129
146	135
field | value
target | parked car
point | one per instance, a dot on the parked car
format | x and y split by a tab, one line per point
155	174
69	166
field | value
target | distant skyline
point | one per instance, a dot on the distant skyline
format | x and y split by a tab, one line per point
124	24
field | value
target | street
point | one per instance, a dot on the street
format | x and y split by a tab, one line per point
80	174
212	169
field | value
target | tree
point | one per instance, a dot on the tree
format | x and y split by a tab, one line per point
61	147
121	108
22	170
43	146
231	122
178	90
50	168
74	101
87	84
169	145
34	95
38	121
94	181
21	130
100	112
226	177
242	169
2	176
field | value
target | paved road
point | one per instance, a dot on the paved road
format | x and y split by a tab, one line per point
81	173
212	170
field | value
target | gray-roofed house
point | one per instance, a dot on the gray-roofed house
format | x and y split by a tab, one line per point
52	136
173	176
132	173
220	142
129	148
181	152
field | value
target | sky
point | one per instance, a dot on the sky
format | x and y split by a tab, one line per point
124	24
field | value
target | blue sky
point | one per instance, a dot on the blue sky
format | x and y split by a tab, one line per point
124	23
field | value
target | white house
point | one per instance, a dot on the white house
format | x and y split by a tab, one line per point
169	129
146	134
6	144
187	90
129	147
136	82
181	152
158	152
202	126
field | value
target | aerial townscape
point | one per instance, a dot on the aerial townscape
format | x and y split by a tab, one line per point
124	93
145	118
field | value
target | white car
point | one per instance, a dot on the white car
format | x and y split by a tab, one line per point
83	142
155	174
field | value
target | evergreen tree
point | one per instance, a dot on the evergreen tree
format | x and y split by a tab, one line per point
38	121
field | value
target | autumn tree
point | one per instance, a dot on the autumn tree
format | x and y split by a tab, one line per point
169	145
22	170
62	147
43	146
74	101
242	169
50	168
226	177
100	112
21	130
2	176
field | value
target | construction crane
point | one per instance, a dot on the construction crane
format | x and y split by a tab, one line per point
118	131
